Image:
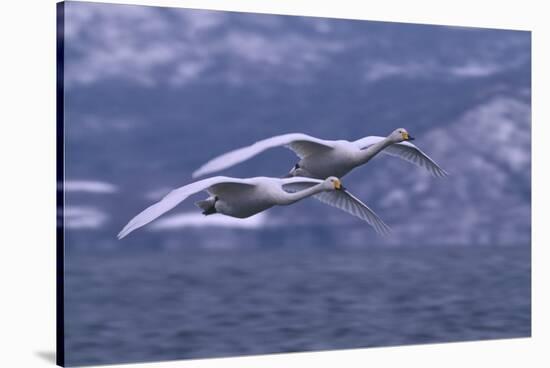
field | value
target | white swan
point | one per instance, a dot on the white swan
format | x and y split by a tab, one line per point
243	198
322	158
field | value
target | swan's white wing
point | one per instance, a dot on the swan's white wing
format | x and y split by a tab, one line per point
347	202
305	145
302	144
175	197
341	199
228	189
409	152
406	151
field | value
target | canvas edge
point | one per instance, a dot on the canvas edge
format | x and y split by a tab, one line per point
60	175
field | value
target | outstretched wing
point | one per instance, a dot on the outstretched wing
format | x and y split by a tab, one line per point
341	199
347	202
177	196
406	151
302	144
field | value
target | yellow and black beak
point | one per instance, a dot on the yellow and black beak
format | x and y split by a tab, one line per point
338	185
407	137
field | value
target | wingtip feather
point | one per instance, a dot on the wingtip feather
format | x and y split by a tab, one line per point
122	234
442	173
197	173
382	228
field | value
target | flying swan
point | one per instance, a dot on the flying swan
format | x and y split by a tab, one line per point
322	158
243	198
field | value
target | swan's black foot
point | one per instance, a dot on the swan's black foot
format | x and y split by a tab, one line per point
212	209
292	172
208	205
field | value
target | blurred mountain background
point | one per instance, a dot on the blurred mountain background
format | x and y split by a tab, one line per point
152	93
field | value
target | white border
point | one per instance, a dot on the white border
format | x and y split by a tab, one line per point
27	324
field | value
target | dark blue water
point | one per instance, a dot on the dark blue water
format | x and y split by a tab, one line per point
196	303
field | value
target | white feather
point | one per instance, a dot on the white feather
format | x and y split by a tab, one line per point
405	151
174	198
301	144
245	197
345	201
321	158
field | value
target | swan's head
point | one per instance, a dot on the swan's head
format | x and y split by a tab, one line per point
400	135
332	183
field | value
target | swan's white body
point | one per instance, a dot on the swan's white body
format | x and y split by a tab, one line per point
322	158
243	198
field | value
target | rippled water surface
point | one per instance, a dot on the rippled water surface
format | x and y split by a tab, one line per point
196	303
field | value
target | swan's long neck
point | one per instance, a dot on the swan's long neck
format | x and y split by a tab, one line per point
290	198
366	154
